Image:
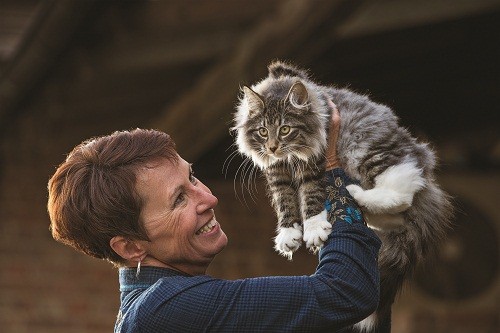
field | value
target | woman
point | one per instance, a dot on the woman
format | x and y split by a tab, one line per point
131	199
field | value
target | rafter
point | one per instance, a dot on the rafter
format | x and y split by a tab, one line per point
48	36
202	115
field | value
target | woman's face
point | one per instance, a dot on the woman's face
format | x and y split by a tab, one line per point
179	219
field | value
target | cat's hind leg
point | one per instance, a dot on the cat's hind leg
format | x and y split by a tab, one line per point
393	191
367	324
384	221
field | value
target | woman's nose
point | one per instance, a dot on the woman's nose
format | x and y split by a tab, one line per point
206	199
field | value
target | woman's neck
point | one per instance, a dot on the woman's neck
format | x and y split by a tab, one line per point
186	268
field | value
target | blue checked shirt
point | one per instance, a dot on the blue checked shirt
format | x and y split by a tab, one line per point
343	290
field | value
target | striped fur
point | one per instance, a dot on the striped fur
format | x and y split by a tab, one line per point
397	189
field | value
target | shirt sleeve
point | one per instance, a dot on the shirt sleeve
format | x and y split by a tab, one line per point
343	290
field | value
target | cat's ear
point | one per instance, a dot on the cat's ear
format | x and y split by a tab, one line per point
297	95
278	69
255	102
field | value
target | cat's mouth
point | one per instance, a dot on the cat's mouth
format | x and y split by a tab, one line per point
276	152
276	156
290	156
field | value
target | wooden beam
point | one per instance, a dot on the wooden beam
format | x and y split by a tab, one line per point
376	17
46	39
202	115
141	53
161	17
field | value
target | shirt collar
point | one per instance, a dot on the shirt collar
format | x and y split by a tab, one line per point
147	277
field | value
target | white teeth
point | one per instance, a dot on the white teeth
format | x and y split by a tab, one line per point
207	227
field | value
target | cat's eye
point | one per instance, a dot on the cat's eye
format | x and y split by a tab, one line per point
284	130
263	131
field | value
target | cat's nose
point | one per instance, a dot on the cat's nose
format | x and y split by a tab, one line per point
273	148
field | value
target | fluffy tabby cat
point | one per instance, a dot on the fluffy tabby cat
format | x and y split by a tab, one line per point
282	126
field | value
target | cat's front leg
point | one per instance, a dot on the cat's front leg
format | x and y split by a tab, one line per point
316	225
316	231
288	240
285	202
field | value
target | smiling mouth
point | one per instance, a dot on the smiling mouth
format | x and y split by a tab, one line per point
207	227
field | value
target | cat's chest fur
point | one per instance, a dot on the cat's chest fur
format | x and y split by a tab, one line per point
294	171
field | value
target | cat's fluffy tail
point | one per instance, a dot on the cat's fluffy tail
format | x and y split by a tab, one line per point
428	219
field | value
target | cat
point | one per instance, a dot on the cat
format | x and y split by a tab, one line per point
281	124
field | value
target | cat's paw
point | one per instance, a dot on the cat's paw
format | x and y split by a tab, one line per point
380	200
356	192
316	231
288	240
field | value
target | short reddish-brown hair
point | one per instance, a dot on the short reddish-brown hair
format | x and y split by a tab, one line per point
92	195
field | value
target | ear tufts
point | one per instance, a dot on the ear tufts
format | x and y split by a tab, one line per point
255	102
298	96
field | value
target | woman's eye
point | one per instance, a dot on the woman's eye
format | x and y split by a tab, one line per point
263	131
179	199
284	130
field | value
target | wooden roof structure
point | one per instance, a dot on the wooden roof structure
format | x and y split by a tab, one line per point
165	64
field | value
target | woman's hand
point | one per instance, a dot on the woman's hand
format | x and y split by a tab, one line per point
332	161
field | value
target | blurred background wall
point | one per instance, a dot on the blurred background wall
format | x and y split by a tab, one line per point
70	70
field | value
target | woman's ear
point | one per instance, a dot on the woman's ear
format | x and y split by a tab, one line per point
127	249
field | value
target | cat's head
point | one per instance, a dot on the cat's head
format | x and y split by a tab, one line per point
281	118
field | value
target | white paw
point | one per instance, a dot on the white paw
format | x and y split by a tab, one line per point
380	200
288	240
316	231
355	191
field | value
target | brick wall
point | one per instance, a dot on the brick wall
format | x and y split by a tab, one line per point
45	287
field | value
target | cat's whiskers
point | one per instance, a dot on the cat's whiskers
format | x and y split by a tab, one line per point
250	173
241	170
255	172
247	173
227	162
